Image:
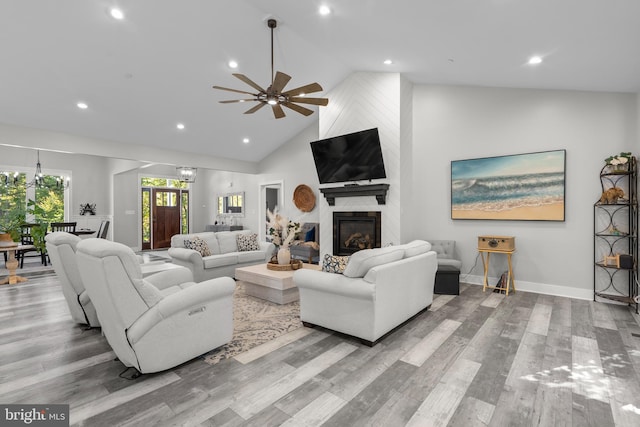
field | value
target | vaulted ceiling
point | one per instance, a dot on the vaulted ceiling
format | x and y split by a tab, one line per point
144	74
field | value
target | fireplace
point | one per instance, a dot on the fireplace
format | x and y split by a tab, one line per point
353	231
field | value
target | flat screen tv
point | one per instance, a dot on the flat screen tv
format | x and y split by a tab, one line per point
351	157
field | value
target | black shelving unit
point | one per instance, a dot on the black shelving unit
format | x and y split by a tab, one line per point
615	242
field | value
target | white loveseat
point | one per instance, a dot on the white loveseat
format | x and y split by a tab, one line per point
225	256
379	290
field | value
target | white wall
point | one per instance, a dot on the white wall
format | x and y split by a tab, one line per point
89	177
293	164
453	123
215	183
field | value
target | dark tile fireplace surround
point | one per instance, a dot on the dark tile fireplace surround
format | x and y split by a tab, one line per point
353	231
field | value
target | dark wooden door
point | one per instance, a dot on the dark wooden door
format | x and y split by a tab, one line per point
165	216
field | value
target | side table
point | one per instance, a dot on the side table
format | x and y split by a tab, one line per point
511	283
447	280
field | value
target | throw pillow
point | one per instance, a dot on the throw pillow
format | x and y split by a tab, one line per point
310	236
334	264
247	242
199	245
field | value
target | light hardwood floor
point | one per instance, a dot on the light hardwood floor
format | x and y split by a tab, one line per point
471	360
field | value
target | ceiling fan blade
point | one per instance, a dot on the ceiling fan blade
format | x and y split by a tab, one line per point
310	88
298	108
235	90
256	108
280	81
277	111
236	100
248	81
305	100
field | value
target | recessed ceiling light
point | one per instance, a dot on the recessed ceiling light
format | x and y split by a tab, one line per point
180	126
388	62
245	140
233	64
116	13
302	94
82	105
324	10
534	60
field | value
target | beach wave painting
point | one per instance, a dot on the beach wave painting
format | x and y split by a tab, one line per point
516	187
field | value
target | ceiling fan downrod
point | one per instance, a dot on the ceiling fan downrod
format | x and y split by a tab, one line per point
272	23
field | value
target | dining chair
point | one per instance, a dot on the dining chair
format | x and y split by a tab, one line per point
27	238
69	227
102	231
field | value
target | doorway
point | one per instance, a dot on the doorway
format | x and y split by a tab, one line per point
165	211
270	198
165	214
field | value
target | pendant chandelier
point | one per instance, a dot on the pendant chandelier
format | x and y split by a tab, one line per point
38	179
186	173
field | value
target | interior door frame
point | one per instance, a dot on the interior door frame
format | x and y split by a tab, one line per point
177	192
139	197
262	209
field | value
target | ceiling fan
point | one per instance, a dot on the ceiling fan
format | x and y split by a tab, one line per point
274	94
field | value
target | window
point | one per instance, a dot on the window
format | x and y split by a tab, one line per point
49	197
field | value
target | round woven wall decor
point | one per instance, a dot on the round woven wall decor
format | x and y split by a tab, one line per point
304	198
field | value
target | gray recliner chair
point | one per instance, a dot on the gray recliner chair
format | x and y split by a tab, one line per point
157	322
61	247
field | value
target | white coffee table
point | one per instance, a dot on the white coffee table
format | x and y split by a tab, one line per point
271	285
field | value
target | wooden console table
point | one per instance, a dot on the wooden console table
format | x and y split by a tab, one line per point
511	283
222	227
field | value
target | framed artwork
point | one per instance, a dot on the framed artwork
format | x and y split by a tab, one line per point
529	187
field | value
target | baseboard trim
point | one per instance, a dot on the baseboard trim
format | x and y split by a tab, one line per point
538	288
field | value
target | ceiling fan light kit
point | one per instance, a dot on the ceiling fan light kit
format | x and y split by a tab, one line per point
274	94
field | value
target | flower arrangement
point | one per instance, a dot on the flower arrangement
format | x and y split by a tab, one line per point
620	159
281	230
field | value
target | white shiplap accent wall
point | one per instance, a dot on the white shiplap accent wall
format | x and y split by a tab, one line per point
408	190
365	101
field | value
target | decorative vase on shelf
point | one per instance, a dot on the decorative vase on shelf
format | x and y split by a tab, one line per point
284	256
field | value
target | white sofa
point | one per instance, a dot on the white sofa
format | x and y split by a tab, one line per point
157	322
379	290
225	256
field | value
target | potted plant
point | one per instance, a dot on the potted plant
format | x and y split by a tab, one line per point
39	214
619	162
11	218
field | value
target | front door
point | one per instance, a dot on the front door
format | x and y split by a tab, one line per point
166	216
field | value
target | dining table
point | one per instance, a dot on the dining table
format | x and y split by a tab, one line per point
83	232
12	263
